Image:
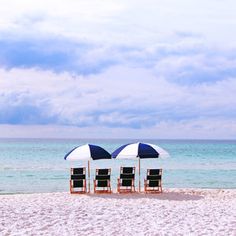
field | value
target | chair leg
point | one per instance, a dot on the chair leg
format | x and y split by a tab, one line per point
70	186
109	186
118	185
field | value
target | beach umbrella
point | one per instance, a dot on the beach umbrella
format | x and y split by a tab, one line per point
139	151
87	152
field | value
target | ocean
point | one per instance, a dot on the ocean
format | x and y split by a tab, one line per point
38	165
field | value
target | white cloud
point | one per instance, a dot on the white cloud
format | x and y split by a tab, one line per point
194	129
115	22
154	69
120	98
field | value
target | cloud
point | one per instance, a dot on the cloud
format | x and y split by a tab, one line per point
123	22
117	98
185	61
201	67
119	65
54	54
193	129
25	114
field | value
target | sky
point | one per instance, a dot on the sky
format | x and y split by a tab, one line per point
118	69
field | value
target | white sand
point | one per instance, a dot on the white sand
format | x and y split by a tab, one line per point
175	212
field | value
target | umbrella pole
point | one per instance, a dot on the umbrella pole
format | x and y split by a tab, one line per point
89	176
139	174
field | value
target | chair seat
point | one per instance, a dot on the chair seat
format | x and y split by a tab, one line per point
78	183
153	183
126	182
102	183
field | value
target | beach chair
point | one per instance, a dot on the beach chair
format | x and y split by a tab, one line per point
153	181
126	182
78	180
102	181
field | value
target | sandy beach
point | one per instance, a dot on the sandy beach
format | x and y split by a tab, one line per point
175	212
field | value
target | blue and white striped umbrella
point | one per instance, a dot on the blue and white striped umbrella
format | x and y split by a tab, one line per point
87	152
139	150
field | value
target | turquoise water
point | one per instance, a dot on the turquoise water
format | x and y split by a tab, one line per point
37	165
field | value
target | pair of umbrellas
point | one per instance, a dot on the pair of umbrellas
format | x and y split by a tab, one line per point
127	151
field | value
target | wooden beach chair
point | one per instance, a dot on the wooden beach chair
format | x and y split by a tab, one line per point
102	181
153	181
126	183
78	181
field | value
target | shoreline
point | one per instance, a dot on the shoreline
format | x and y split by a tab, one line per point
173	212
114	192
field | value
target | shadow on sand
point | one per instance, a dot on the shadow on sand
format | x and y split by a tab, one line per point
170	196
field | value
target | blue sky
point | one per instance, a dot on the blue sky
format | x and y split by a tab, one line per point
135	69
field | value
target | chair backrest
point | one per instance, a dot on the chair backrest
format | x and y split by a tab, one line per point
103	174
78	173
154	175
154	171
127	173
103	171
127	170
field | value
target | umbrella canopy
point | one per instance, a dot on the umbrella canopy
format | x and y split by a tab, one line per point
87	152
139	150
